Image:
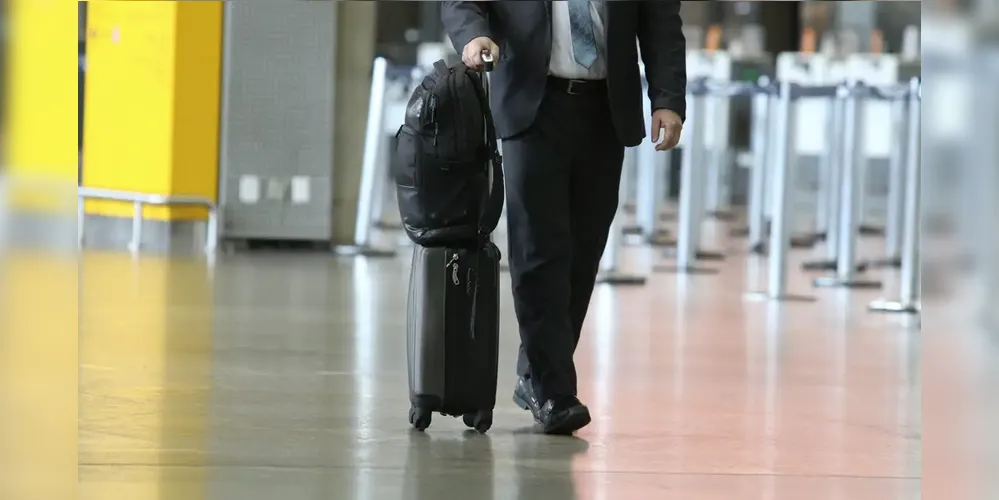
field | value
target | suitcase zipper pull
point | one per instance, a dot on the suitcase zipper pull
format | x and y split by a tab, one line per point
453	264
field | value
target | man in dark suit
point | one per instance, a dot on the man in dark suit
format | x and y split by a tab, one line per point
566	97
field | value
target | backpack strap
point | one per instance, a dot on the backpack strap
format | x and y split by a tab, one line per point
492	208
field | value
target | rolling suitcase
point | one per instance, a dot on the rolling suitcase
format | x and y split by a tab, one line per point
452	331
453	334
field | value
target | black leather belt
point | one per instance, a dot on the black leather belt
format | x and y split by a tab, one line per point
577	87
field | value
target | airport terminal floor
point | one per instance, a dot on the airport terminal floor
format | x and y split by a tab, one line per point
284	376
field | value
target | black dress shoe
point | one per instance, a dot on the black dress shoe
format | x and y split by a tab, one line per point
563	415
523	396
560	415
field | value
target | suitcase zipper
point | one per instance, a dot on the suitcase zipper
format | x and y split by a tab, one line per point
453	265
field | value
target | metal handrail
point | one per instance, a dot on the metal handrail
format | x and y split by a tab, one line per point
139	202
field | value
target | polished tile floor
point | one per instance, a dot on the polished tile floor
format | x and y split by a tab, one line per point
271	376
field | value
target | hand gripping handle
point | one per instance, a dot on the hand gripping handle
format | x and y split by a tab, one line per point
487	61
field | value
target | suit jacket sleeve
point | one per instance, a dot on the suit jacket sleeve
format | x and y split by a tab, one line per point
464	21
664	52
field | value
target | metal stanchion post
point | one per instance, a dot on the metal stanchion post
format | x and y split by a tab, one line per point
783	187
832	187
896	187
371	174
908	301
717	125
691	189
758	175
610	263
650	174
826	166
850	193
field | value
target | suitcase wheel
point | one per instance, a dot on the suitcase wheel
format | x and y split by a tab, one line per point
420	418
481	420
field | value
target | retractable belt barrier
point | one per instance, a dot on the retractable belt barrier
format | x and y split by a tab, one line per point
845	188
843	233
692	209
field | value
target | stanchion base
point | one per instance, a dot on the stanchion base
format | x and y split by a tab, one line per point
866	230
797	242
667	216
892	306
661	239
363	251
699	254
895	262
631	230
787	297
833	282
803	241
819	265
705	255
722	215
829	265
618	278
739	232
683	270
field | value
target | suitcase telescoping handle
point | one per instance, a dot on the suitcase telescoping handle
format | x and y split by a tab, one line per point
487	61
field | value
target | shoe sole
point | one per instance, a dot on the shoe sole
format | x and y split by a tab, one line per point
524	405
576	419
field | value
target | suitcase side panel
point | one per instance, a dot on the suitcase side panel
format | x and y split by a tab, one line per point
425	327
487	329
472	350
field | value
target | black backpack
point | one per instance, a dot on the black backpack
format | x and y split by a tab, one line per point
448	194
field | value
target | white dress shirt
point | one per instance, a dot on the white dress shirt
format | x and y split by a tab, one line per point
563	63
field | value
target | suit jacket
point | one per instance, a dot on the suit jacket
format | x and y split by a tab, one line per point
523	31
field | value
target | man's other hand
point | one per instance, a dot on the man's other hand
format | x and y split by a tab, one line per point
472	55
666	125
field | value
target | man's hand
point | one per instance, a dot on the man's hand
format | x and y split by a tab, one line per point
472	55
666	125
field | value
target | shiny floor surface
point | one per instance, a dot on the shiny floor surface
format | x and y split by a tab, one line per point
284	377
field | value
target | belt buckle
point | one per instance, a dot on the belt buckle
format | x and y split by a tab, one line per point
570	89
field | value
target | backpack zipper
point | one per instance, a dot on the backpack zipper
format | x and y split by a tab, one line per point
433	116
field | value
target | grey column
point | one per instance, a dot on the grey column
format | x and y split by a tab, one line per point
355	47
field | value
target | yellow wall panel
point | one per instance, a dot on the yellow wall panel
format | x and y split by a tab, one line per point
40	100
152	103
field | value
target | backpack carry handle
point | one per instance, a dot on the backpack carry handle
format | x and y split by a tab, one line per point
487	61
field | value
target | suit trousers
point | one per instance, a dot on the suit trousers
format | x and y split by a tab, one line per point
562	178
